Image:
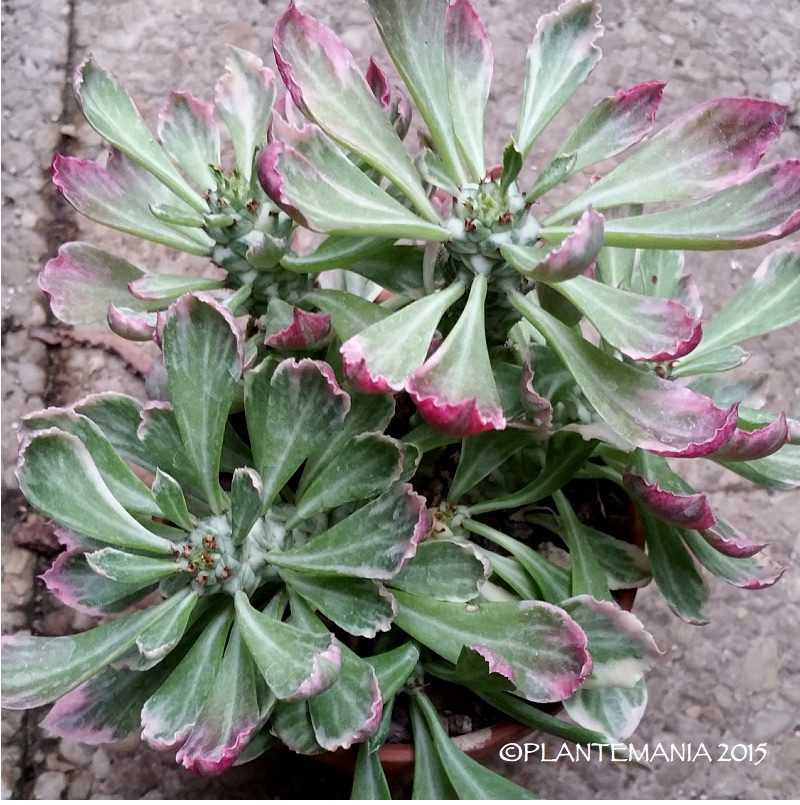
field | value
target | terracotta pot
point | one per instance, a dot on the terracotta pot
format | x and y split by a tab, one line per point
398	759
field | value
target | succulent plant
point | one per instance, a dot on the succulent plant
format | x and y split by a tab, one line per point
307	546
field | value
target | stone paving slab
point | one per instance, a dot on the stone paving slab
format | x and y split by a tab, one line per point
736	680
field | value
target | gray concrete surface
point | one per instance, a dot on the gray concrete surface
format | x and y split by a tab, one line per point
736	680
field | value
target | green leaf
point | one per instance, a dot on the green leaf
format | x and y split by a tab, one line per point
349	712
625	566
674	571
369	781
539	720
399	270
118	416
82	281
394	667
177	216
566	454
110	111
615	267
130	568
448	397
261	742
512	165
621	649
56	470
759	209
559	60
704	151
126	487
189	134
359	606
296	663
660	272
368	413
246	496
374	542
291	723
472	670
481	454
615	712
74	583
366	466
586	574
752	573
511	571
371	359
681	424
335	252
719	360
431	782
350	314
168	287
425	438
536	645
413	32
170	713
161	439
781	470
768	301
552	579
230	714
468	64
305	407
203	357
38	670
469	779
323	190
645	328
447	571
120	195
558	170
106	708
154	642
169	496
433	171
330	89
244	98
613	125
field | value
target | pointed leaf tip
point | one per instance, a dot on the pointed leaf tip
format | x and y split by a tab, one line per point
81	282
244	100
573	257
111	112
323	190
613	125
461	419
378	83
706	150
326	83
455	402
666	418
497	664
559	60
750	445
305	331
469	62
120	195
371	360
682	510
189	133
